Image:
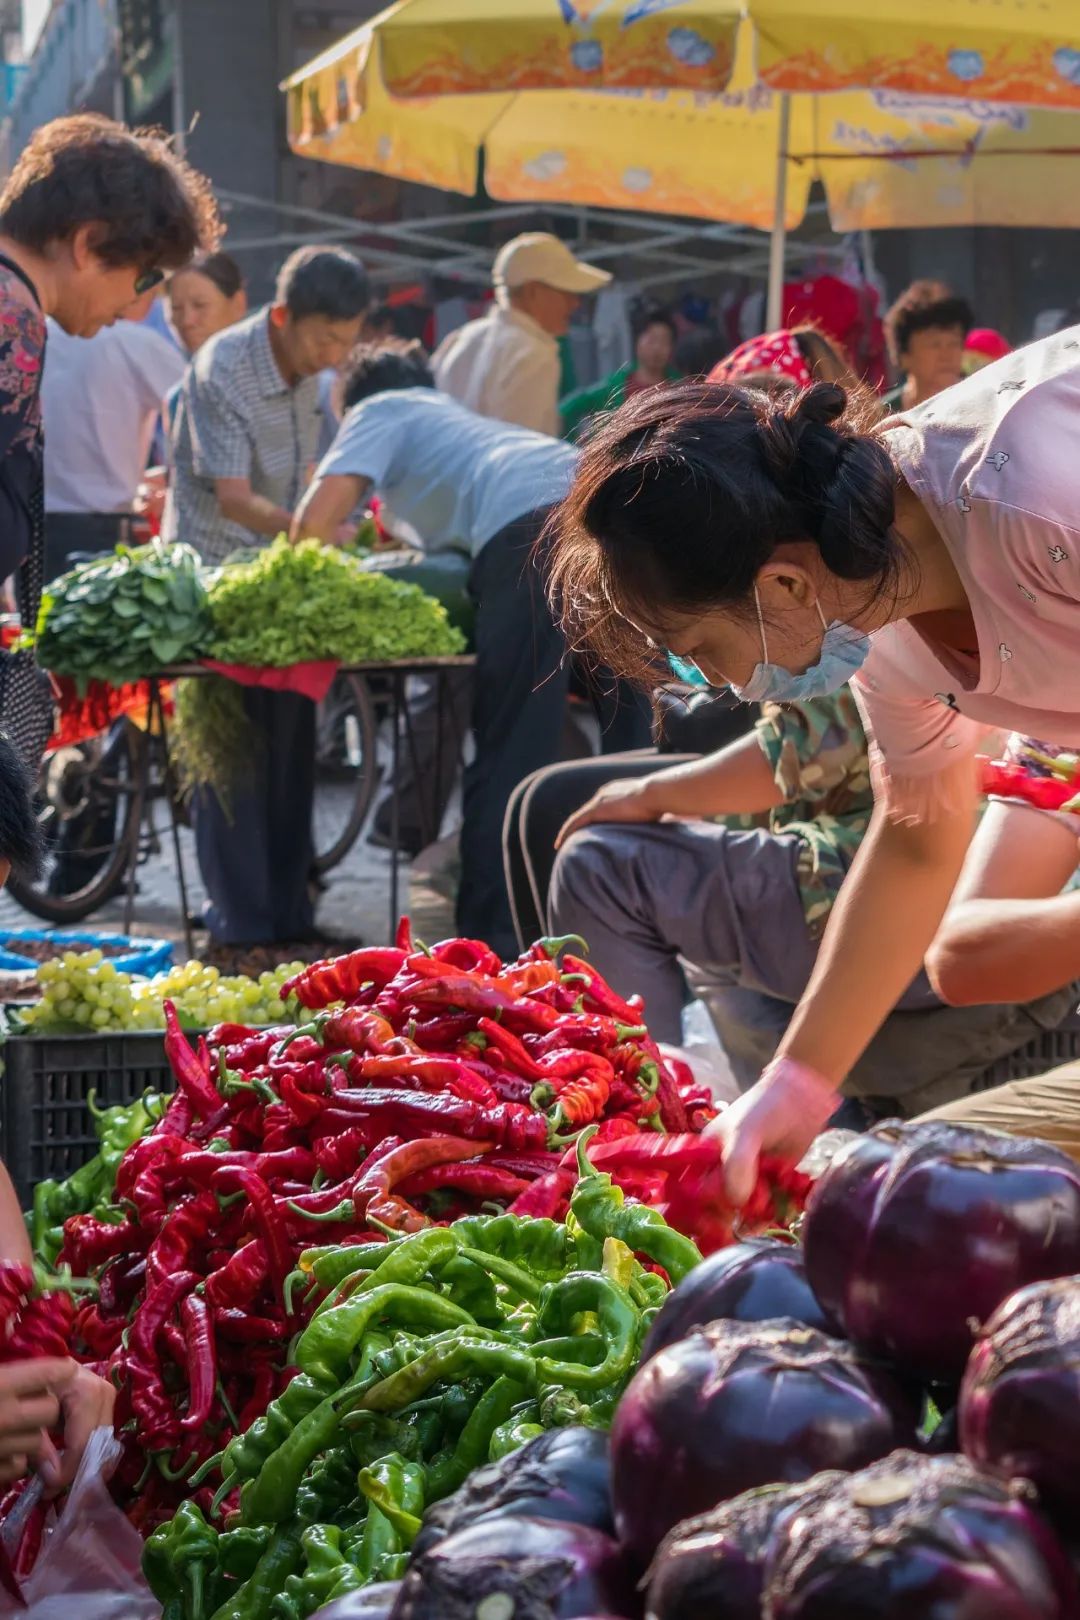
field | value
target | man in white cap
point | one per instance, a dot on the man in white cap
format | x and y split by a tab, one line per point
506	365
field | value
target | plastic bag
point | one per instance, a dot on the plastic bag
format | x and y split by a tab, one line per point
702	1052
91	1562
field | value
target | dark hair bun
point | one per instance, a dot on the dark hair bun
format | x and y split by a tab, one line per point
840	480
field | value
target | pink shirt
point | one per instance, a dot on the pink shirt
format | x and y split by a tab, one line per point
994	461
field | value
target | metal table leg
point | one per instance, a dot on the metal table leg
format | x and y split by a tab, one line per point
398	690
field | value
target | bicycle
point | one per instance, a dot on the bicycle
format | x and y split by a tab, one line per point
96	804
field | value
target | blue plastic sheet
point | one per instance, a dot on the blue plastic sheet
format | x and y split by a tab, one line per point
146	956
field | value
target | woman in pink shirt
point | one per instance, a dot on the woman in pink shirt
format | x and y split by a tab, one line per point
785	545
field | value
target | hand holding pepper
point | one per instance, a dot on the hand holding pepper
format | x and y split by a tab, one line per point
31	1393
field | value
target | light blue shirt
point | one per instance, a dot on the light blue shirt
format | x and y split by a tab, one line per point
453	477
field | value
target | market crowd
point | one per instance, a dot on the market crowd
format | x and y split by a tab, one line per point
830	603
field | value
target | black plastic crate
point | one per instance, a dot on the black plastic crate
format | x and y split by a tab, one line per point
1048	1051
46	1128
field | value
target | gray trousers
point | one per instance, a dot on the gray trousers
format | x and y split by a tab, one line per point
669	904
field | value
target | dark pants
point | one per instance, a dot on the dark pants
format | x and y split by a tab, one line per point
669	905
91	532
522	679
256	854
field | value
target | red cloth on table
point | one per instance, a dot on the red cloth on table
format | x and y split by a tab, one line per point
312	679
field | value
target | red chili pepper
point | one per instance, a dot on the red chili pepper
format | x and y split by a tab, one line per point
581	1101
342	977
438	1034
408	1113
190	1070
42	1328
524	977
238	1281
16	1287
374	1195
597	990
99	1337
403	936
201	1361
262	1393
304	1092
88	1243
265	1216
480	1179
339	1154
249	1047
172	1337
472	955
30	1542
183	1232
544	1199
150	1403
511	1048
429	1072
239	1327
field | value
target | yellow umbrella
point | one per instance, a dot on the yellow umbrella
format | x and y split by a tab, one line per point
1025	51
885	159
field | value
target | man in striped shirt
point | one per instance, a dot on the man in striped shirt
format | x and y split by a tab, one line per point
245	439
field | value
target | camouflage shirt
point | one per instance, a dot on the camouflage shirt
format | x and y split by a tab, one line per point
817	751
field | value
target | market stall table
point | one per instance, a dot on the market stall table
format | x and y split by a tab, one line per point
396	673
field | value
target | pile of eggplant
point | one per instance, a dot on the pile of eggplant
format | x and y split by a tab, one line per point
880	1424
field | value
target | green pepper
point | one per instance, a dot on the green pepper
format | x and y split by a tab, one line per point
281	1559
404	1485
270	1497
544	1248
493	1408
246	1454
469	1284
514	1277
324	1562
407	1262
239	1550
516	1432
180	1560
619	1324
602	1212
452	1360
334	1263
327	1343
328	1485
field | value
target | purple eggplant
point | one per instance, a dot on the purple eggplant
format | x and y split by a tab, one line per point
370	1603
714	1565
739	1404
755	1281
525	1568
917	1232
915	1537
564	1474
1020	1399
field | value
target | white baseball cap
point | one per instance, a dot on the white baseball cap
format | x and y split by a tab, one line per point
539	256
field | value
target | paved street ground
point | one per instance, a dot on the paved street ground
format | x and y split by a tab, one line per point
354	906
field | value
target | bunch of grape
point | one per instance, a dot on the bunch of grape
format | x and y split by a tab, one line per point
82	990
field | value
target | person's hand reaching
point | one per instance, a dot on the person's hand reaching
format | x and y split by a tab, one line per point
781	1114
86	1404
32	1396
615	801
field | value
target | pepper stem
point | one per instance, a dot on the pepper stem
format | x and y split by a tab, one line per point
584	1167
340	1212
553	945
204	1471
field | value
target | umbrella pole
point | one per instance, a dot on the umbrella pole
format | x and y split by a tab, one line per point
774	313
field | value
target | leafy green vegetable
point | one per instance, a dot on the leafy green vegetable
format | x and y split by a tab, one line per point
310	601
211	744
124	615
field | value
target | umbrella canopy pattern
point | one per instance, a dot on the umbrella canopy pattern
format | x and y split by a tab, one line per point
886	158
1024	51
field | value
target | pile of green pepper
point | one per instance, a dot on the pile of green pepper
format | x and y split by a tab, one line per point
89	1190
430	1355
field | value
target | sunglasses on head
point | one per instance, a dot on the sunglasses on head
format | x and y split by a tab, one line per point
148	281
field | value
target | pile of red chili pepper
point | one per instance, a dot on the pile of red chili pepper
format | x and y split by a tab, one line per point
426	1085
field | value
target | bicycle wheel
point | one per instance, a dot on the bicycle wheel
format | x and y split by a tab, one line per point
87	807
346	771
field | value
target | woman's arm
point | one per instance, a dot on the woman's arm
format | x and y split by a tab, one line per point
1010	935
326	505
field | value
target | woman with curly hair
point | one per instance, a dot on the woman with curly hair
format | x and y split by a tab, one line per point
91	218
